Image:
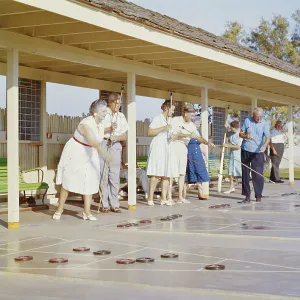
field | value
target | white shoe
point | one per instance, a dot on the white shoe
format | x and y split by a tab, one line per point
89	217
183	201
56	215
166	202
150	203
230	191
171	201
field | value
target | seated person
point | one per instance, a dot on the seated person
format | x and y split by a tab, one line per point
140	174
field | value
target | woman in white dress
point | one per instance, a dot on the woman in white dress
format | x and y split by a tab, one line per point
79	166
235	142
158	157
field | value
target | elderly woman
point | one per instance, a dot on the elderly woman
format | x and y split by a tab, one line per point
235	142
196	171
158	157
79	167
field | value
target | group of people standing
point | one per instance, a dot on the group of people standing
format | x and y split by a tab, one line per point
248	147
175	153
92	158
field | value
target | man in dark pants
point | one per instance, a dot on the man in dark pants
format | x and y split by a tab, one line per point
256	137
276	150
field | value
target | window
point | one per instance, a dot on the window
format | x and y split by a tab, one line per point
218	125
29	109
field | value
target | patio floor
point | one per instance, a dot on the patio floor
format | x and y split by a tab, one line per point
259	263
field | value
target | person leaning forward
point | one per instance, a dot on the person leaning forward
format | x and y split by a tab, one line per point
115	131
255	133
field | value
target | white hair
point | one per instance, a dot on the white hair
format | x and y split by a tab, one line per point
258	109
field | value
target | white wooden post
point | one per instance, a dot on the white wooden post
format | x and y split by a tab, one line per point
12	106
204	129
220	177
291	144
253	104
43	163
131	140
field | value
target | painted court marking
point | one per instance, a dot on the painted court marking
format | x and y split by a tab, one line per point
83	267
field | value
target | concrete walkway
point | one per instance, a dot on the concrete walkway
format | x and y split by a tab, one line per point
261	258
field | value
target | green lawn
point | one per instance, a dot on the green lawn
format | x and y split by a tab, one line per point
284	173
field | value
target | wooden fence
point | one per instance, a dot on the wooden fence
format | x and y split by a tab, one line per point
29	152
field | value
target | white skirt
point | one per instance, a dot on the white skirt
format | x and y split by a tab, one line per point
178	159
79	169
158	157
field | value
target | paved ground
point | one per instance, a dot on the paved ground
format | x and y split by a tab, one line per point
260	263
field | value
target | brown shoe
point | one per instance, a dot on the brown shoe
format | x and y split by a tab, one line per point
104	210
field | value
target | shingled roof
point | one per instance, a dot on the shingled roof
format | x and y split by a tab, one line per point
161	22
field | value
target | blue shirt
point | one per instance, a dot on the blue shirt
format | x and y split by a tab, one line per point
258	132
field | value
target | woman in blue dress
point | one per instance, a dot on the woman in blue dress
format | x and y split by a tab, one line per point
235	142
196	171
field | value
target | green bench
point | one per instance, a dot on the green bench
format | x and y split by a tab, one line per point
142	161
23	186
214	165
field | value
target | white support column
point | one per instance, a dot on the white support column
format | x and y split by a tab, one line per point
204	130
291	144
131	140
220	177
253	104
43	163
12	107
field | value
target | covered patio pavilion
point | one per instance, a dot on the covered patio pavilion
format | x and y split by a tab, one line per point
103	44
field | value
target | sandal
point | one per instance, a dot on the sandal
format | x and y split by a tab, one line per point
116	210
56	216
104	210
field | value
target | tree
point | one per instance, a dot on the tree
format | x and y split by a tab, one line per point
276	38
234	32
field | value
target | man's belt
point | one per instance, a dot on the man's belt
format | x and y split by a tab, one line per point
83	144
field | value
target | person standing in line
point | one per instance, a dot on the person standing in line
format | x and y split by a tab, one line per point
196	170
276	150
116	128
183	129
235	142
158	163
255	133
79	166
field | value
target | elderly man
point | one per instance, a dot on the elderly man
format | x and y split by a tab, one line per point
115	132
276	150
256	137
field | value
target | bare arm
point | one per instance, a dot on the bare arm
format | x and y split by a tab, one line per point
235	147
156	131
92	140
243	135
202	140
119	138
266	143
272	147
108	129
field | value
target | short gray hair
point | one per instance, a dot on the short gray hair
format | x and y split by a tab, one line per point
113	97
94	107
258	109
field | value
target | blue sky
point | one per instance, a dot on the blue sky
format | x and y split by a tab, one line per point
210	15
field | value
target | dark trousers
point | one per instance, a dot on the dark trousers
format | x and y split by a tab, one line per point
276	160
254	161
